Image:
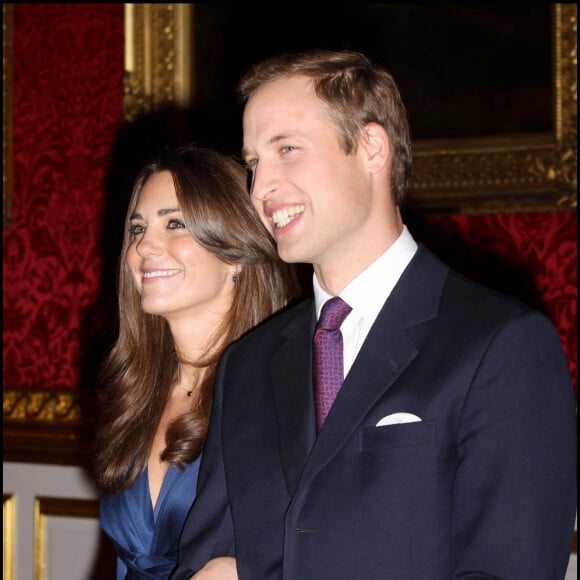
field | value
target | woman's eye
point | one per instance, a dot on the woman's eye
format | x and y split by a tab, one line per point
136	229
287	149
175	224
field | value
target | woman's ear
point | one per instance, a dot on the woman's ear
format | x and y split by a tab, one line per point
377	146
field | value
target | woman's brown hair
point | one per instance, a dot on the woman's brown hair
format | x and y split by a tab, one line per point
138	374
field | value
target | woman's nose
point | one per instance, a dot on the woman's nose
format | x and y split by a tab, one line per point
148	245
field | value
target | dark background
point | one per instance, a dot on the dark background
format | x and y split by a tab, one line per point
463	69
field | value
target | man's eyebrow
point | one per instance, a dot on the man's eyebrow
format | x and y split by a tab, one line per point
160	213
273	140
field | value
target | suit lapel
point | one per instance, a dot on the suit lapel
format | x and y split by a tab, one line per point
291	370
391	345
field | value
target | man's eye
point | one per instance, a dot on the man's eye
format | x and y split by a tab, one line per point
287	149
251	164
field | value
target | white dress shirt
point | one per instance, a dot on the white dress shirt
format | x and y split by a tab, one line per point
367	294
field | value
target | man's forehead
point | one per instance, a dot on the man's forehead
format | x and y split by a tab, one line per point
281	109
285	91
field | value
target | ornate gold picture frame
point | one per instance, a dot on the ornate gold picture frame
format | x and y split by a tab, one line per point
462	175
519	173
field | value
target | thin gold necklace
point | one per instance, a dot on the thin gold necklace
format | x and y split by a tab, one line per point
188	391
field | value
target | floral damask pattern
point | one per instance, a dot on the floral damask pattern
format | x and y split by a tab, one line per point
67	97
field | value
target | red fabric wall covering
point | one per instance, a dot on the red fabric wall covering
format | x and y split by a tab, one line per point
532	256
67	105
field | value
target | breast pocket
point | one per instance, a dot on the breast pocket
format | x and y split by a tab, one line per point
398	435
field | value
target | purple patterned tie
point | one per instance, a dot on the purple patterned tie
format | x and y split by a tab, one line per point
327	363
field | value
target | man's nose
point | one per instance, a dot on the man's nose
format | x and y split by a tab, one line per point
263	182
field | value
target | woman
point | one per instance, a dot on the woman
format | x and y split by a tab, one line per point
198	270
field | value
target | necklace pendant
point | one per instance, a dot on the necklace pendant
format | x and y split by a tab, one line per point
188	392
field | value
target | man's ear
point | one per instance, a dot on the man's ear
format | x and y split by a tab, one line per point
377	146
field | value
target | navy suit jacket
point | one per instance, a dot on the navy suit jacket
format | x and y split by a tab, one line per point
482	487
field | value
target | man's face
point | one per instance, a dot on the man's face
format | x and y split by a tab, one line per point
315	199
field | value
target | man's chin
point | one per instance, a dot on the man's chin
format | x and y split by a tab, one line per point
291	255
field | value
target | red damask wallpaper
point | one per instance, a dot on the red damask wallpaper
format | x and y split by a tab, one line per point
58	258
67	104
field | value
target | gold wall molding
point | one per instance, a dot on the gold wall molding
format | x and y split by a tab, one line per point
158	57
43	405
49	426
8	536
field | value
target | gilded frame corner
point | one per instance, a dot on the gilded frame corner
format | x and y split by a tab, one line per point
519	173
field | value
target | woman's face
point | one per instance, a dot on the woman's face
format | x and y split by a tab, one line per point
176	276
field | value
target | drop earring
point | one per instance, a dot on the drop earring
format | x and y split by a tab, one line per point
235	276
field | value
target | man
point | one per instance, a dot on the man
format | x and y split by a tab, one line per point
449	451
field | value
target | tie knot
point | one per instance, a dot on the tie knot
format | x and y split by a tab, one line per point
333	313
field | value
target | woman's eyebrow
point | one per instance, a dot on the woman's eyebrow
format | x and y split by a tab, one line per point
160	213
167	211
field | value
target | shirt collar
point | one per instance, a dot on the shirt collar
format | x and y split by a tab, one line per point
367	293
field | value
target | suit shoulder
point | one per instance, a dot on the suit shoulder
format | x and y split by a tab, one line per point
293	314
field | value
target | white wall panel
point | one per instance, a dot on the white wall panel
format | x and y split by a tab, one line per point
73	546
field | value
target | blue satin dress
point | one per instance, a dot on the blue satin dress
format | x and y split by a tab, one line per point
146	540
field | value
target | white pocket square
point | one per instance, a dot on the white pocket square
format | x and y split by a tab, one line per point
398	418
